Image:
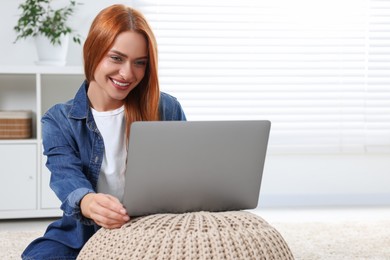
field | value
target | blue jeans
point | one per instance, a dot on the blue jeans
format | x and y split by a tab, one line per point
44	249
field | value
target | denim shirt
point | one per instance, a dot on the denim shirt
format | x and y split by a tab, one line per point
74	149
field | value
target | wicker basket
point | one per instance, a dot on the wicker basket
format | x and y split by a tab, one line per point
15	124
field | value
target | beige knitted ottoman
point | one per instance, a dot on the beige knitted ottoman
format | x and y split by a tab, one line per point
199	235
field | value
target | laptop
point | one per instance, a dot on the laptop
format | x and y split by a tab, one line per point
186	166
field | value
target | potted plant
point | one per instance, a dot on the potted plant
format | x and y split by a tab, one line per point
44	23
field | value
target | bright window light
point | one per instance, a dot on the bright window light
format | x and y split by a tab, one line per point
319	70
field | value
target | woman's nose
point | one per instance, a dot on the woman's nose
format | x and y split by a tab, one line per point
126	72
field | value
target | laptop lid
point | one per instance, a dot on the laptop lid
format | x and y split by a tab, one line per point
184	166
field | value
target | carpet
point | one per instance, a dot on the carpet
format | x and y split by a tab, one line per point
13	243
337	241
344	240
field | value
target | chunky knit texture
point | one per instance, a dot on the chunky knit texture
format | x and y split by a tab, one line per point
197	235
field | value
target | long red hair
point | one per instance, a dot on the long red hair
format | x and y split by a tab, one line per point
142	102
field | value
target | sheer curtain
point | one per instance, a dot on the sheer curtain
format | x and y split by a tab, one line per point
318	70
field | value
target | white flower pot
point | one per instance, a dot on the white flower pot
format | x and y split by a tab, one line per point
49	54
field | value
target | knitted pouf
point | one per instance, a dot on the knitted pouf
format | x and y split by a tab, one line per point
198	235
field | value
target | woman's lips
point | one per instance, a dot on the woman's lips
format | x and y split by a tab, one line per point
120	84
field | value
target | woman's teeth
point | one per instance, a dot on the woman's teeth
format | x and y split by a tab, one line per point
120	83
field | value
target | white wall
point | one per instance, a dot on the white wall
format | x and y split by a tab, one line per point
289	180
326	180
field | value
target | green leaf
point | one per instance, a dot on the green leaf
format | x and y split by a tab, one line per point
38	17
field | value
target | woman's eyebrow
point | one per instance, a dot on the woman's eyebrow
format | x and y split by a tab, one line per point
124	55
119	53
142	58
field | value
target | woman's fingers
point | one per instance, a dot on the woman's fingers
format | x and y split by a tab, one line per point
104	209
106	222
114	204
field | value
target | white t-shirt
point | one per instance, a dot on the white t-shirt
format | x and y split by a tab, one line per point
111	125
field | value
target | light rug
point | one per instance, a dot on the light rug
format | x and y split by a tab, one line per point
344	240
337	240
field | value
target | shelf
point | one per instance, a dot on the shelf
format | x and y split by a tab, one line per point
34	88
18	141
60	70
19	214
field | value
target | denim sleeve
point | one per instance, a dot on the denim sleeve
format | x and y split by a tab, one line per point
170	108
63	160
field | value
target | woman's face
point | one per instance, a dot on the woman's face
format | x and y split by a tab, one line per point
119	72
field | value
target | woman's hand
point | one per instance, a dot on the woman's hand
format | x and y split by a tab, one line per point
104	209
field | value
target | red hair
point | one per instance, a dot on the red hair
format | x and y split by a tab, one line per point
142	102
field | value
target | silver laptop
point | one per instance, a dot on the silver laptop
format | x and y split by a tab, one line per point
178	166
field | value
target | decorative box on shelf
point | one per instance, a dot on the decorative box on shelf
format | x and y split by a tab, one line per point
15	124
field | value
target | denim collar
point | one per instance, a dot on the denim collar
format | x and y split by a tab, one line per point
80	107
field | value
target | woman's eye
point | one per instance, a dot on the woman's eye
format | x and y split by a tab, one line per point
116	58
140	62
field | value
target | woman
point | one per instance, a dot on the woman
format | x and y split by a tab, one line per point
85	139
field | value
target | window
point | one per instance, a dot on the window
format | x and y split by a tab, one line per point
318	70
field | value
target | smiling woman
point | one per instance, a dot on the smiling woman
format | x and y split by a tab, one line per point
85	139
119	72
100	46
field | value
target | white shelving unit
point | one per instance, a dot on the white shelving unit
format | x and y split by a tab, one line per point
24	178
